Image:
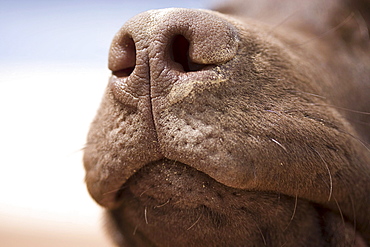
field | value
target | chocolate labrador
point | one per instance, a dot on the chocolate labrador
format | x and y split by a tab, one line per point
246	126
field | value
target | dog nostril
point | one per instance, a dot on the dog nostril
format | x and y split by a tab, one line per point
127	61
180	54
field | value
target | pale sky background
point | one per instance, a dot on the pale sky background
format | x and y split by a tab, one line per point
53	70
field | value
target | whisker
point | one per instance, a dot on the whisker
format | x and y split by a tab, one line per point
345	109
142	193
263	237
79	150
363	143
163	204
278	143
273	28
330	177
277	113
311	94
145	215
294	212
112	191
295	208
359	122
327	32
194	223
134	233
340	211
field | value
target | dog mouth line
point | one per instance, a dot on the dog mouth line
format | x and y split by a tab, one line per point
177	175
162	187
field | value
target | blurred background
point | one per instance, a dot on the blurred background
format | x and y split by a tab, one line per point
53	71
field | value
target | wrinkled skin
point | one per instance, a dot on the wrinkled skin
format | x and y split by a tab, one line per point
240	129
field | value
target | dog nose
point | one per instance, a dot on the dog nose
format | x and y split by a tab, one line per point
159	59
152	50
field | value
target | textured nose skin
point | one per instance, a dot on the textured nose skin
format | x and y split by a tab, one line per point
156	58
173	55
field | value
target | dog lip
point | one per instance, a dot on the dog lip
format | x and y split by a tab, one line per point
167	190
167	167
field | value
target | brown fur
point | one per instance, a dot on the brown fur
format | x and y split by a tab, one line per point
254	135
